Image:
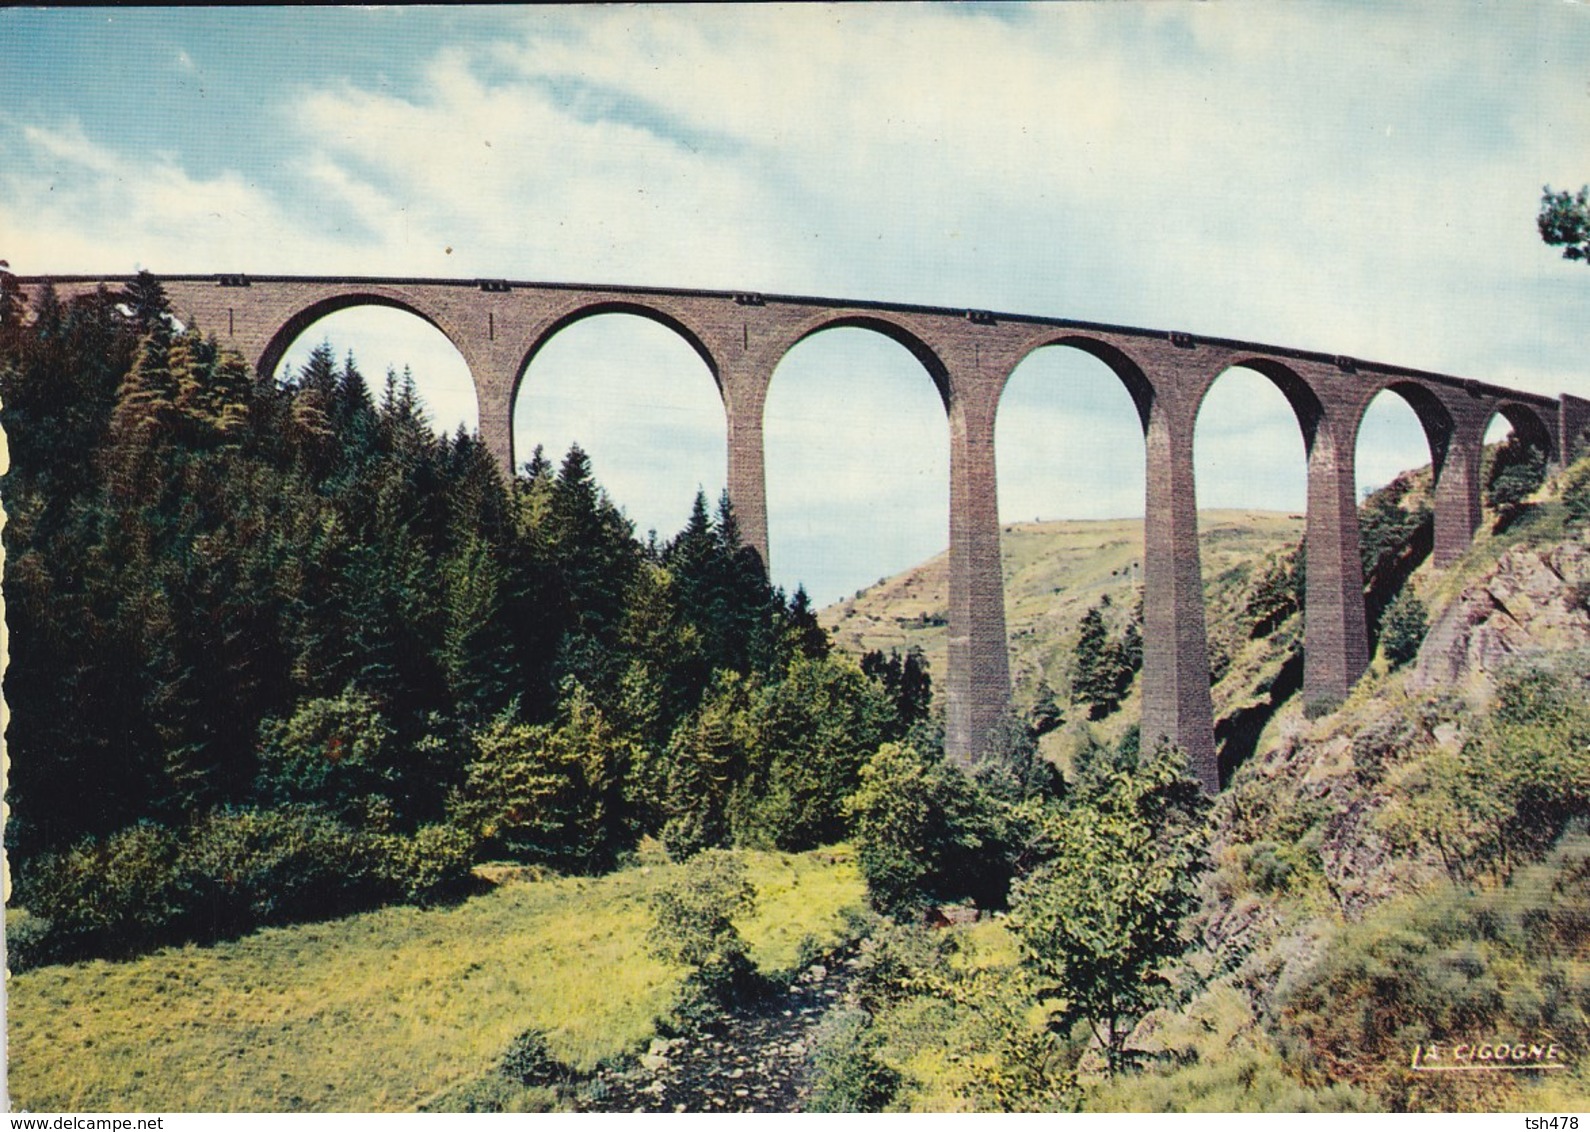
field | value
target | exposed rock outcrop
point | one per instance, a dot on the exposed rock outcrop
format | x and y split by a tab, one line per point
1534	600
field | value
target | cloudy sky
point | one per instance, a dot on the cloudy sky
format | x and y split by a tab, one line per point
1337	177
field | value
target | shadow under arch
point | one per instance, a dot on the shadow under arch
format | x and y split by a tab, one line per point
295	325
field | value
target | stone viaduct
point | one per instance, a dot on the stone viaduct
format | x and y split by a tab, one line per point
499	325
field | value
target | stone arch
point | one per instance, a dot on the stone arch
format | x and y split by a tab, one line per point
295	324
1434	418
894	331
1307	406
647	311
1215	408
628	381
1131	375
1527	424
891	434
1070	441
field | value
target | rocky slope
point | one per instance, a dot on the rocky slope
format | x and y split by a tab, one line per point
1533	600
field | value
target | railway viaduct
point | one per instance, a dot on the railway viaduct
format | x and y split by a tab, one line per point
499	325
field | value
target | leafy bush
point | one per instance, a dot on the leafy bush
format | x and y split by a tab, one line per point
807	738
333	752
850	1075
1277	593
1514	787
111	897
548	794
1320	708
245	868
1098	935
1576	491
706	755
1403	628
28	941
1387	522
529	1061
894	958
924	831
694	927
1513	472
1104	665
233	870
1269	867
428	865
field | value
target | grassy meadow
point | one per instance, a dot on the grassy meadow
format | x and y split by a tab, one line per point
384	1010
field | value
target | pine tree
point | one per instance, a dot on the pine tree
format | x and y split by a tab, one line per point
147	308
475	654
1103	669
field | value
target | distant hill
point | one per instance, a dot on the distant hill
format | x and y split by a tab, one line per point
1054	572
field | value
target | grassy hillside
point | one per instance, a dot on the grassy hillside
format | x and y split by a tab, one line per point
1054	572
386	1010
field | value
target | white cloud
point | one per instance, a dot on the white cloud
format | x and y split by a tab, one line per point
1352	180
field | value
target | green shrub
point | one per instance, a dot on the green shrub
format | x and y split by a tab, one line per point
1241	1080
529	1061
1275	596
694	927
705	755
1403	628
332	752
548	794
807	738
1516	785
923	831
1101	917
1457	965
429	865
1269	867
1576	491
850	1077
28	940
1103	666
1320	708
114	896
1513	472
246	868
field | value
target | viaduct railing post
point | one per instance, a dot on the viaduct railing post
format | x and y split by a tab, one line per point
978	682
1335	634
1176	703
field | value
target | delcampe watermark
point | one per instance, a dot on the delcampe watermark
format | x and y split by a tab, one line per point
1495	1055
